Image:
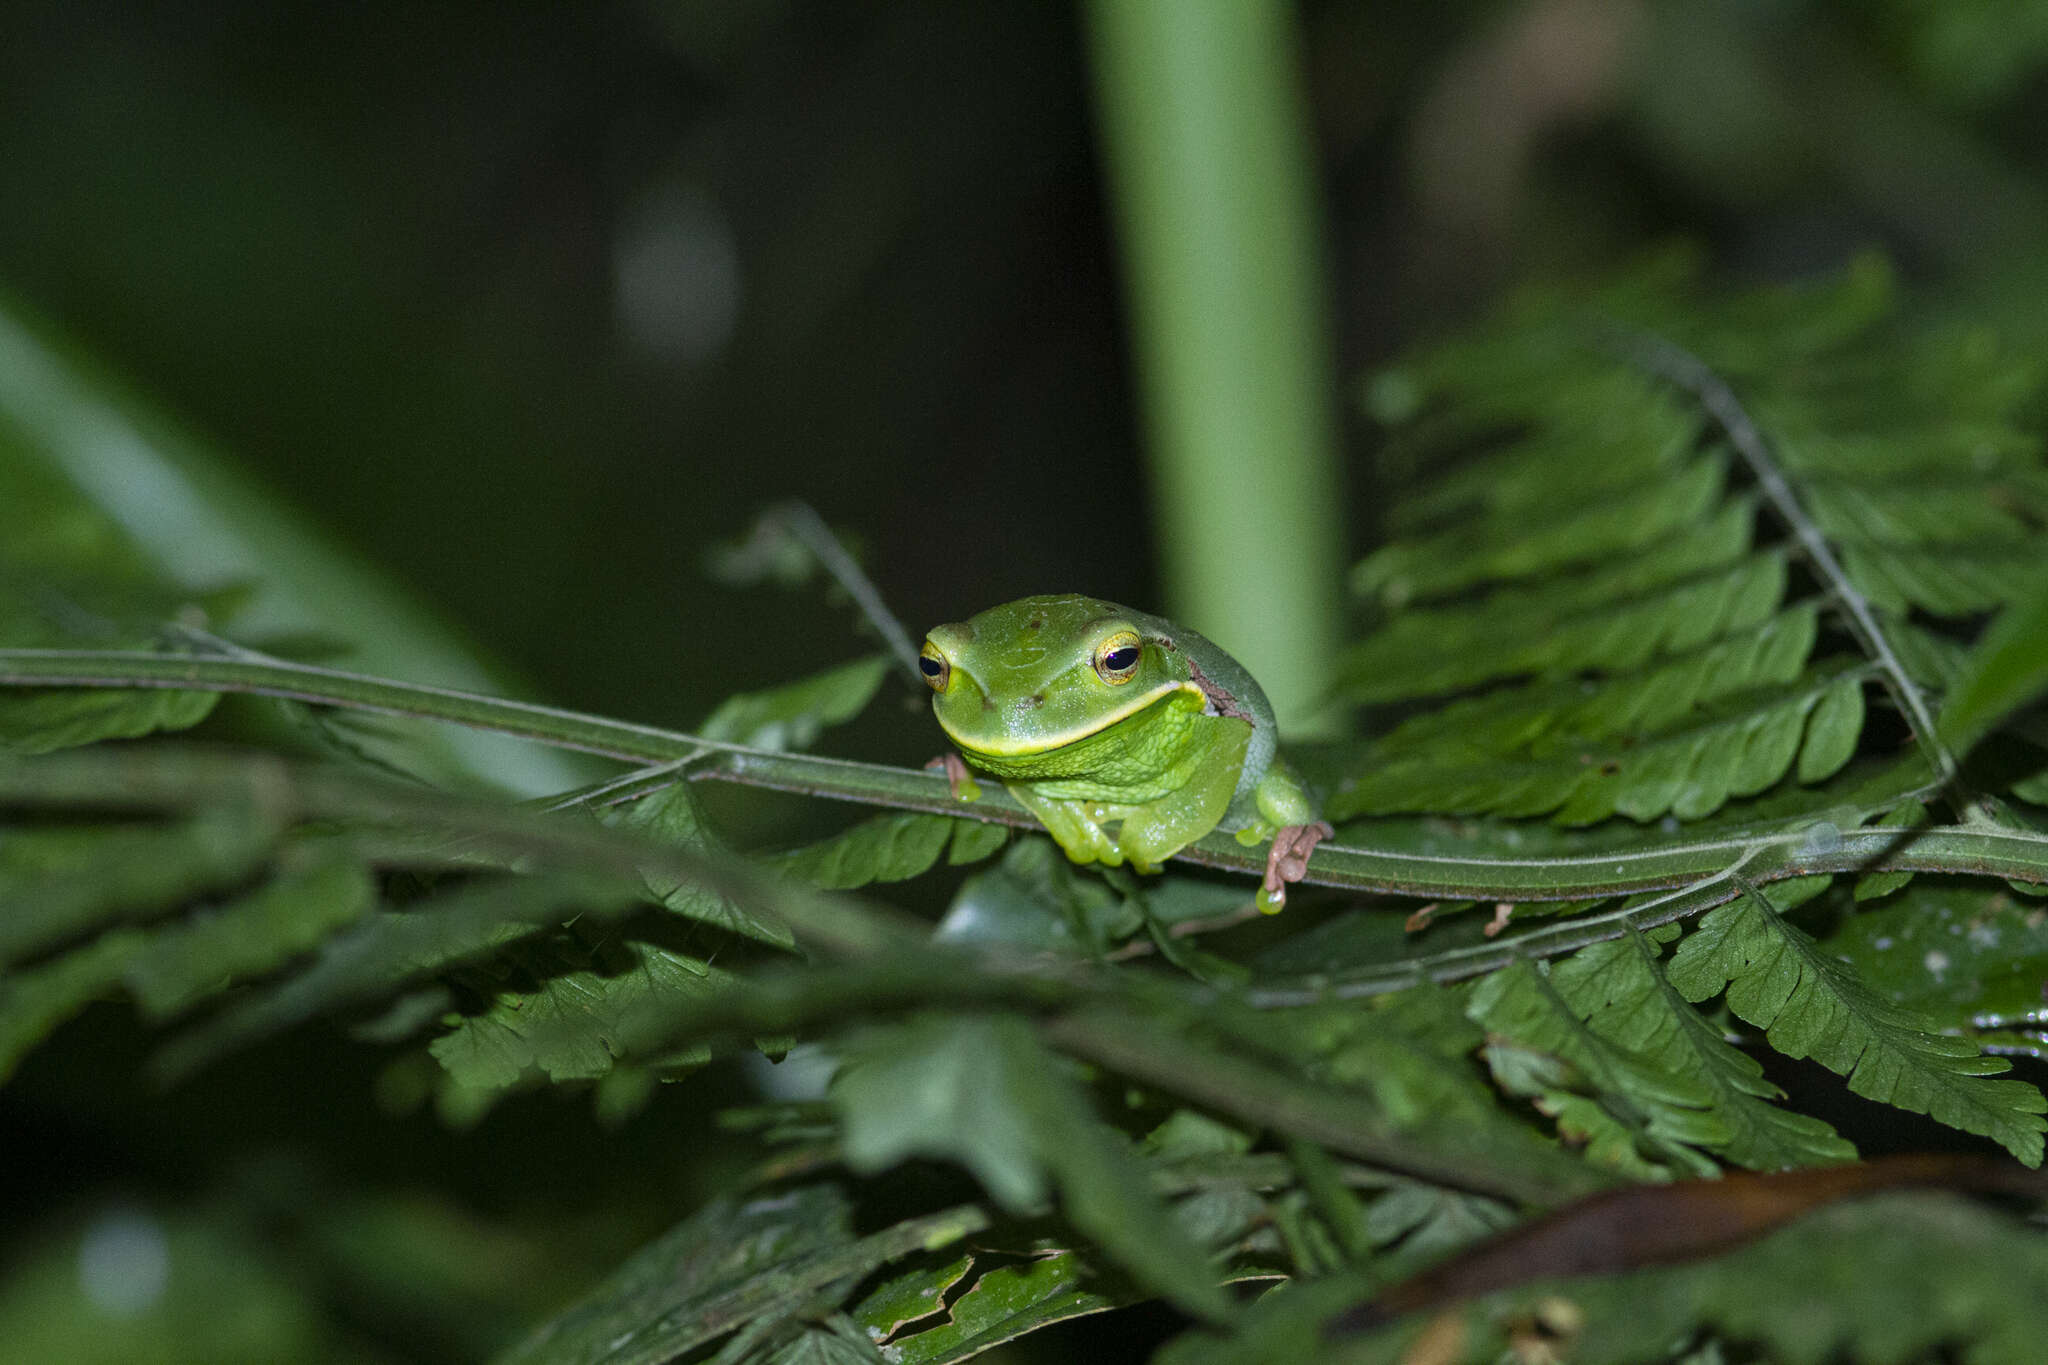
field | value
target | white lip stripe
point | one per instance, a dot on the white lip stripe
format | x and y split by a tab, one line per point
1131	708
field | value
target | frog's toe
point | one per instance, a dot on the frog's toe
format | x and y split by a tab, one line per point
1287	861
958	780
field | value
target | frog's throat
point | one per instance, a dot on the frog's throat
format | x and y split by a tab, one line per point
1024	748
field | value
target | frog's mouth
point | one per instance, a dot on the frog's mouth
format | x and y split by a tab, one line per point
1025	748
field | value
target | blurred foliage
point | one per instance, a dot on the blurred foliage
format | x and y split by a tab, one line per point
531	307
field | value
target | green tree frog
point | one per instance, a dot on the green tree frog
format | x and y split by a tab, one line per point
1095	715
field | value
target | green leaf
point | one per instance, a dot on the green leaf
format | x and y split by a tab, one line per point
917	1293
1508	548
2007	669
1002	1305
1426	1221
1873	885
1737	748
750	1267
389	949
698	1281
1893	1278
985	1092
40	722
886	848
1832	730
1411	1051
318	889
793	715
1630	431
671	816
1694	589
1624	703
1036	898
1947	580
1638	1116
975	840
1957	952
1634	682
944	1089
59	883
33	1003
1810	1004
834	1345
1619	989
70	578
590	1008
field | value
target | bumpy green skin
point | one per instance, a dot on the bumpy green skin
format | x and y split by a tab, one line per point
1186	745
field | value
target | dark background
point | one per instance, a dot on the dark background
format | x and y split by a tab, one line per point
531	304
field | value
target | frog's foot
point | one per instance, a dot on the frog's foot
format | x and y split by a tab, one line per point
1288	861
958	780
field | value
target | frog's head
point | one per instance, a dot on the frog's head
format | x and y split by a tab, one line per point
1042	672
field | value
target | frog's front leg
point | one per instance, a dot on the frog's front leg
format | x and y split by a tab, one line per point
1156	830
1288	813
1074	825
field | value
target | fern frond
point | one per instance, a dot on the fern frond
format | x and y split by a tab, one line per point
1509	545
1809	1004
1632	701
671	816
1620	990
316	892
135	873
731	1263
1684	594
1604	509
1631	433
1639	1116
1690	769
390	949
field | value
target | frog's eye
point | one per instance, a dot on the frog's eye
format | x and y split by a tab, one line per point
937	670
1116	659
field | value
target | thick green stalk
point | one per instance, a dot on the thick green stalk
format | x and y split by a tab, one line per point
1206	145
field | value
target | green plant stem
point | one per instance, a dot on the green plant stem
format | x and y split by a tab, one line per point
1205	139
1696	875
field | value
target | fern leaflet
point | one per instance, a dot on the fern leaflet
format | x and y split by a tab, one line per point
1811	1005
